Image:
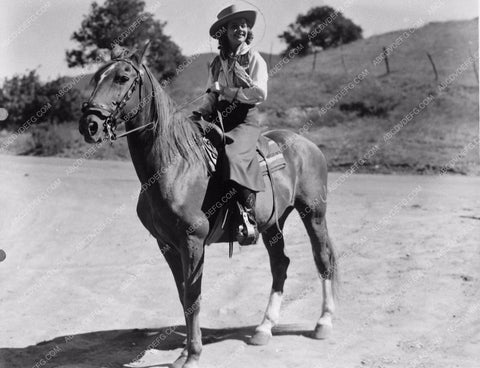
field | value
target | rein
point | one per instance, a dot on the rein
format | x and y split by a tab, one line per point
112	116
151	123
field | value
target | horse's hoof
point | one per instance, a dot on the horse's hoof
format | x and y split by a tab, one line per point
179	362
260	338
191	364
322	332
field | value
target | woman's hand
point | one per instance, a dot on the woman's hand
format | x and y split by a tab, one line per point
230	93
216	88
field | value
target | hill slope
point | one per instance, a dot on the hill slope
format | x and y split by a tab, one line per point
359	115
359	119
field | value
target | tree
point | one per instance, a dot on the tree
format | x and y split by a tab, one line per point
65	98
124	22
21	96
322	27
29	101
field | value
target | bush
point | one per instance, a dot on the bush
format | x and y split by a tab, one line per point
48	139
29	102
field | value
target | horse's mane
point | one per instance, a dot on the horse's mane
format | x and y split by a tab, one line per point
175	136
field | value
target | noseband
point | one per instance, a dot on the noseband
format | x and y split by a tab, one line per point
112	115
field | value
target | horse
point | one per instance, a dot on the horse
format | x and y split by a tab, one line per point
165	145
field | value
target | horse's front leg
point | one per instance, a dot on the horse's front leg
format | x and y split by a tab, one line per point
192	259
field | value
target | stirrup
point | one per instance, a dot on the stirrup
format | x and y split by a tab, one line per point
247	233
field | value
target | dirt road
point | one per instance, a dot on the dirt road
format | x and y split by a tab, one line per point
82	275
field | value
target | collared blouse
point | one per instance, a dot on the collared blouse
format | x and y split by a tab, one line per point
254	95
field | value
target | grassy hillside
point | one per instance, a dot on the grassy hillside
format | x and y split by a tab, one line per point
380	101
358	120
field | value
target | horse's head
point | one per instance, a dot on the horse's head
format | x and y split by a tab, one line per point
113	100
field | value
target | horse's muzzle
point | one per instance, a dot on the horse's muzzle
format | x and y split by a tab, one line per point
90	127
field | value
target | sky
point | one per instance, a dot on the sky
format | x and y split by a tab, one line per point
36	33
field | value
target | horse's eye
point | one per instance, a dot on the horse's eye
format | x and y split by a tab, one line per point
121	79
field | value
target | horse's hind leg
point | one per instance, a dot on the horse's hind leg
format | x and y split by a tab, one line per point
313	217
279	262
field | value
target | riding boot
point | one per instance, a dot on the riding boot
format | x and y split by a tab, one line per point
248	230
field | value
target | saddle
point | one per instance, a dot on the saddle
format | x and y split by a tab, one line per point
269	154
225	218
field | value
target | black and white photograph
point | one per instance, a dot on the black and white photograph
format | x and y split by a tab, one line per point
239	183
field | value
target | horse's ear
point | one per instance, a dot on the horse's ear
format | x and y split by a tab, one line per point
141	53
117	52
102	54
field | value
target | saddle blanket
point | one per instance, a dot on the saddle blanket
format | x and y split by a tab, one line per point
273	155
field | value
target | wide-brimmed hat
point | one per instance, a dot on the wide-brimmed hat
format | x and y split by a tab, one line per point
230	13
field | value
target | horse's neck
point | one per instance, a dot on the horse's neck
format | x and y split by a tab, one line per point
147	160
140	143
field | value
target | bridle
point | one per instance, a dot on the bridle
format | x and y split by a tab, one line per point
113	115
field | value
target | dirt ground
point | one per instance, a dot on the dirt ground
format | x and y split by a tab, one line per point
84	285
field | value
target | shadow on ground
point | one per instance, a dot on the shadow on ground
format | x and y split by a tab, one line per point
112	349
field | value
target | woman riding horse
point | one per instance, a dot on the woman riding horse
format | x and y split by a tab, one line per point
237	82
169	160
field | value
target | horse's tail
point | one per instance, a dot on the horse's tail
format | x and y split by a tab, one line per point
324	254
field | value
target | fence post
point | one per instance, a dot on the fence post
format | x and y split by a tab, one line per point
343	63
314	59
387	65
474	64
433	66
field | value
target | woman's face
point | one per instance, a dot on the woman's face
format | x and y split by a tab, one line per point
237	30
